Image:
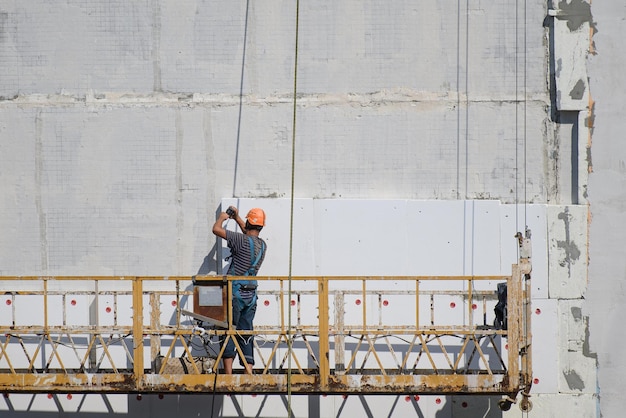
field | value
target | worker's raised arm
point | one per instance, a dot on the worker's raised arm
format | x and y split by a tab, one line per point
218	227
233	212
240	222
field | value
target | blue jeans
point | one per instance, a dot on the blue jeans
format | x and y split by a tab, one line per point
243	315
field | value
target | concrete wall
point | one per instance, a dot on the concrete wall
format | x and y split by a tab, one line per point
123	125
606	296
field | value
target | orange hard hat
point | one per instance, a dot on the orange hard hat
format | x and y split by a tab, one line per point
256	216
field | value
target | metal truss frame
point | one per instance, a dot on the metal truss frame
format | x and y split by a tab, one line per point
322	355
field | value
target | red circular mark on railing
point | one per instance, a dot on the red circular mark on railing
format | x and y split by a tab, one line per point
474	306
506	346
452	305
385	303
536	381
416	397
407	398
538	311
8	302
69	396
108	309
73	302
358	301
253	395
293	302
344	396
324	395
49	396
139	397
464	404
161	396
438	401
6	395
174	303
266	302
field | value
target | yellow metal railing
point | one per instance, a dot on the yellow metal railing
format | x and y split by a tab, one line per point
409	334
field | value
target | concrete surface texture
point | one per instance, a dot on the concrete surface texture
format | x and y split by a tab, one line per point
123	125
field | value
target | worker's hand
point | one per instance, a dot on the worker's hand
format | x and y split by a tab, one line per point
222	217
233	212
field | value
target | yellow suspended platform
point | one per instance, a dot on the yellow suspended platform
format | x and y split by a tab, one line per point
315	346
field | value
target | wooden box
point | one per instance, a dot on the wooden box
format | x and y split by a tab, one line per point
210	300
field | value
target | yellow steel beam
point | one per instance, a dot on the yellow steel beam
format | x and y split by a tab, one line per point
240	383
323	333
514	293
138	328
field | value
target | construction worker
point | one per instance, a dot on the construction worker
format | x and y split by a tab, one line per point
247	253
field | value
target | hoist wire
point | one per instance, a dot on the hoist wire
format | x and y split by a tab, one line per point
458	126
458	100
241	80
517	118
526	324
293	176
524	154
524	104
467	101
524	116
458	103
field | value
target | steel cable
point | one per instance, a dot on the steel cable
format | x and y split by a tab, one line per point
293	171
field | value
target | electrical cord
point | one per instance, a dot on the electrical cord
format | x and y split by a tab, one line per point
69	345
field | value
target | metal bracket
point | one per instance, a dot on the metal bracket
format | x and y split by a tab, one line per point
220	324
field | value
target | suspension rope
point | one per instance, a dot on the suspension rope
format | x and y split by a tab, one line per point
458	104
241	79
458	100
517	119
524	117
293	176
525	110
527	325
526	331
467	100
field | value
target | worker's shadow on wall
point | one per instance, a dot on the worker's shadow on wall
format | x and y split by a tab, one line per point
212	261
209	264
209	267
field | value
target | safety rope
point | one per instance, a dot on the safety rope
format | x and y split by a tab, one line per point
293	176
467	104
517	119
524	120
524	163
526	325
517	116
241	79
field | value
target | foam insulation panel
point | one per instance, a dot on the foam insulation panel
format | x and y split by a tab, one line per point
392	237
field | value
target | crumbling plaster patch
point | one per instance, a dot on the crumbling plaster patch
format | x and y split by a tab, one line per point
577	366
575	13
567	235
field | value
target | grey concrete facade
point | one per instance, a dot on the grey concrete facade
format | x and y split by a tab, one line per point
605	296
124	124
